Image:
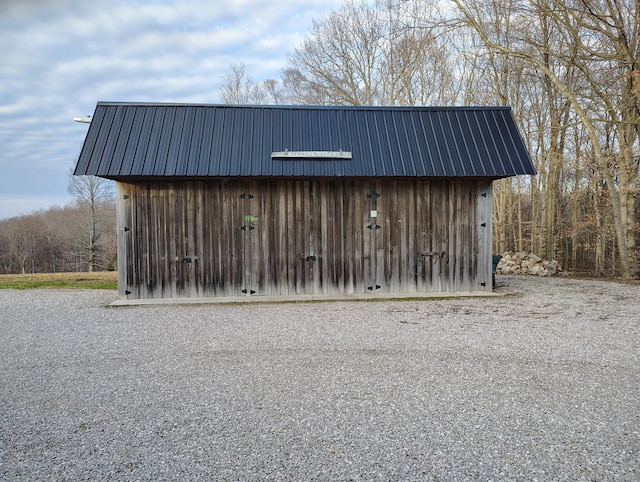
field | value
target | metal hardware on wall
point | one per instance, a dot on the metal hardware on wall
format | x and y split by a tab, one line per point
484	194
186	260
246	291
250	228
432	253
126	229
371	288
484	225
374	226
246	196
310	258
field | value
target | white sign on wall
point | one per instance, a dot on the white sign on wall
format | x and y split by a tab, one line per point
287	154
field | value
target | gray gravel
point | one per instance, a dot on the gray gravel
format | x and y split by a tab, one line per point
541	384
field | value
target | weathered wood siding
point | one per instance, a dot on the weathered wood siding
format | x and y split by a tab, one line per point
285	237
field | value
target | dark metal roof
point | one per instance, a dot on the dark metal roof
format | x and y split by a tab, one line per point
186	140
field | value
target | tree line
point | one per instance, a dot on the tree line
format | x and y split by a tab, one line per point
78	237
569	69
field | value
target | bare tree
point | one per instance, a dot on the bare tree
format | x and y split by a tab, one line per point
93	194
598	42
372	54
240	88
25	243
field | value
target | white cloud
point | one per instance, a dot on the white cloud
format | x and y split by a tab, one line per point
62	56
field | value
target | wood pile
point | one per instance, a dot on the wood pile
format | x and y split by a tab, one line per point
526	263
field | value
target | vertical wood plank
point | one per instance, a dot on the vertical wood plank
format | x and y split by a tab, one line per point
432	211
419	231
351	195
396	199
409	222
381	237
199	274
283	239
368	246
484	235
468	218
290	236
325	221
456	224
123	203
299	237
151	241
144	240
267	253
440	269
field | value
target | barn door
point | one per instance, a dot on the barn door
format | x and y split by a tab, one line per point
373	242
249	251
431	242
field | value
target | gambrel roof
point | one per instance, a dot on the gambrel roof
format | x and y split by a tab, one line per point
139	140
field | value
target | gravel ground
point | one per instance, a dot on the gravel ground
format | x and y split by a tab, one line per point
541	384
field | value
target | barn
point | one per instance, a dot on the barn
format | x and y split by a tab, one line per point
220	201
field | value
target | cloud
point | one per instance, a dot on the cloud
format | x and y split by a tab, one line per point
62	56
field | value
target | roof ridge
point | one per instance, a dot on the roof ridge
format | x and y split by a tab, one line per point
308	107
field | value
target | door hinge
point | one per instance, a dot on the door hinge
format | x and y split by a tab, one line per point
432	253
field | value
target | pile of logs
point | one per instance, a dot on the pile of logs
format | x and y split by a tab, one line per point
526	263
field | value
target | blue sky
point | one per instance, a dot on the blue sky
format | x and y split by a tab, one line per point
60	57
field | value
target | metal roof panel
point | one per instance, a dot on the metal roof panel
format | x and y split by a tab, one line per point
197	140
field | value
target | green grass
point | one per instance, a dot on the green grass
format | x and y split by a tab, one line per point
103	280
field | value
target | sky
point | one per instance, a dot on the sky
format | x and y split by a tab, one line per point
60	57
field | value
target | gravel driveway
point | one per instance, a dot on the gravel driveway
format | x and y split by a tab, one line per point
540	384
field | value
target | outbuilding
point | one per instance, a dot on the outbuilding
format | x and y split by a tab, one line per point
291	201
